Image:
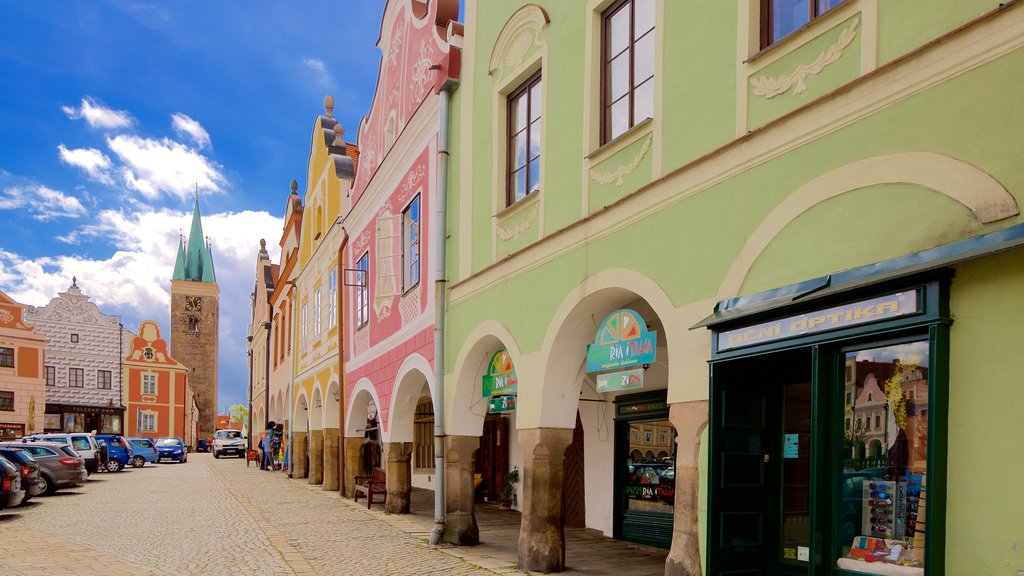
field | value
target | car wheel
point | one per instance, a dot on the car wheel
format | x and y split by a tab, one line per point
114	466
216	454
48	487
184	458
138	461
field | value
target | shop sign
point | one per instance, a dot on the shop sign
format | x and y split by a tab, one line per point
625	380
92	409
499	404
501	376
622	341
10	426
845	316
628	409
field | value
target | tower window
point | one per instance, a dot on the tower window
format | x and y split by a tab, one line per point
193	324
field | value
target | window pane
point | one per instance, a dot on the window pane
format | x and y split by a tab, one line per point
619	121
618	77
885	466
535	139
643	59
787	16
825	5
535	175
644	17
517	111
650	467
535	105
518	185
643	102
618	26
518	150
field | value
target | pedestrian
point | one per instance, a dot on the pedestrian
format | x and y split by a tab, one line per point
266	458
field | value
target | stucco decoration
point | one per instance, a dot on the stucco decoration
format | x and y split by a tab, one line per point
6	317
771	86
72	306
618	176
511	234
978	191
520	35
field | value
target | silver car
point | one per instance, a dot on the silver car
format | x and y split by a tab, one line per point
59	465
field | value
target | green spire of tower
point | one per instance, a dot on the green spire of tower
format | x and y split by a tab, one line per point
179	262
198	261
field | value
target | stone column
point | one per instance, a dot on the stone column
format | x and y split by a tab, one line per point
398	468
460	515
353	446
542	534
689	419
331	437
316	456
297	456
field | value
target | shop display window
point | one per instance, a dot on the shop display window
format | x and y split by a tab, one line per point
651	468
884	466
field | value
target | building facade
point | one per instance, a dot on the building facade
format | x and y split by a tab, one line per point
83	364
282	310
195	318
390	266
22	380
316	390
159	399
258	343
641	189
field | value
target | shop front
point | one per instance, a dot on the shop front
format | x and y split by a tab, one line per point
77	418
827	431
11	431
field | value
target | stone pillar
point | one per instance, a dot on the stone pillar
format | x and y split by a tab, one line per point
542	534
460	507
331	437
353	446
689	419
398	467
297	456
316	456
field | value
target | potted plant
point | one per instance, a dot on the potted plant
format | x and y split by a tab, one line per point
507	492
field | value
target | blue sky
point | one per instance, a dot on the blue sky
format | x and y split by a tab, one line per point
111	112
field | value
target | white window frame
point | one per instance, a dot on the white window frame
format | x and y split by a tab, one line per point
149	384
316	310
412	242
362	298
332	294
147	421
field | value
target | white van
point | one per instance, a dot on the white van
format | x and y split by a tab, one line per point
81	442
228	442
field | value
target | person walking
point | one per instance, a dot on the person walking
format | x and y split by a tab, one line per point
266	458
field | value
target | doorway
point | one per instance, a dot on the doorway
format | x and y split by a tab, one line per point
492	457
574	499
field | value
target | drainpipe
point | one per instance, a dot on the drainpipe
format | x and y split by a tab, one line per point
342	380
266	373
440	289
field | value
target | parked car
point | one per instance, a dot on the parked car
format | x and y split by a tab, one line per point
83	443
59	465
11	493
143	450
30	479
119	451
202	446
171	448
228	442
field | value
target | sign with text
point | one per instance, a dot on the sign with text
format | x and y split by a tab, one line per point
845	316
499	404
501	376
622	341
625	380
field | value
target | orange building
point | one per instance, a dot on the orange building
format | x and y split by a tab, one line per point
158	397
22	388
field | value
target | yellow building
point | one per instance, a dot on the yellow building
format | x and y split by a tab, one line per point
22	388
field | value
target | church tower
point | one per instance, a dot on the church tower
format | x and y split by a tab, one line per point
195	314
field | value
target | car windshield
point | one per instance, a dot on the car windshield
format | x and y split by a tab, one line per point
168	442
80	442
229	434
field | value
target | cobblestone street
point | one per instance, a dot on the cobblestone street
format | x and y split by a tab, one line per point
208	517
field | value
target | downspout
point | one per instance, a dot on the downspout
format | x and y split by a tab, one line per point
342	381
440	292
120	374
290	408
248	437
266	374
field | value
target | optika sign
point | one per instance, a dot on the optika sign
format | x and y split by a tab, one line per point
874	310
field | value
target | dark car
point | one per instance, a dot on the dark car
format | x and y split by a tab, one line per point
11	493
171	448
59	465
30	479
119	451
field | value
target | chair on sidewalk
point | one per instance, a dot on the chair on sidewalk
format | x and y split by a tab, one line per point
375	483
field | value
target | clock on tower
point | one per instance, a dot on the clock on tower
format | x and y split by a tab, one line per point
193	304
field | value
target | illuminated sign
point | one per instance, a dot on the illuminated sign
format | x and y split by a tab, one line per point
624	380
499	404
622	341
501	376
864	312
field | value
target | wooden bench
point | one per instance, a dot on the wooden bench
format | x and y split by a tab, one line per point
370	485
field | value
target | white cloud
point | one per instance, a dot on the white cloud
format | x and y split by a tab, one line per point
320	68
160	166
92	161
134	281
41	202
99	116
186	126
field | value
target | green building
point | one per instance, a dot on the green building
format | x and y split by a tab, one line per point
748	272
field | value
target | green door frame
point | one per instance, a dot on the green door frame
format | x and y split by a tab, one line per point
931	323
